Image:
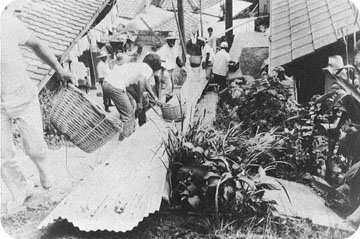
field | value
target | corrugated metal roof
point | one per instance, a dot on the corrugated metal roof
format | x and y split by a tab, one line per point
189	5
129	9
125	188
299	27
59	24
130	184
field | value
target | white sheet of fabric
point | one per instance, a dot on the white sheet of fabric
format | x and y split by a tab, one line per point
221	61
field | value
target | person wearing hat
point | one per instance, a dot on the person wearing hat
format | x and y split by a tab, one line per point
220	67
103	69
336	68
212	40
207	57
132	78
20	103
170	53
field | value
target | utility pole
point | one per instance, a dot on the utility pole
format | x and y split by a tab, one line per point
201	20
228	21
180	7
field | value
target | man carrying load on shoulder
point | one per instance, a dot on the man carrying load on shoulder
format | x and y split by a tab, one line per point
129	81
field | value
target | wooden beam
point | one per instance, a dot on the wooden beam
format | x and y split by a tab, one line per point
228	22
71	46
180	7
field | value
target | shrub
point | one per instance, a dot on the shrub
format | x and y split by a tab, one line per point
216	174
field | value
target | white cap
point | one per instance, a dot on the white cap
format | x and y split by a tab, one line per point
224	44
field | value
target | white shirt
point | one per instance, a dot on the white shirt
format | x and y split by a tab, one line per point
102	69
16	86
207	49
169	55
212	44
127	74
221	61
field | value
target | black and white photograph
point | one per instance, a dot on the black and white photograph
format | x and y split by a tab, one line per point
190	119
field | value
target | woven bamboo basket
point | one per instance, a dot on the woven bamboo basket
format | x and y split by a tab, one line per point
81	120
173	112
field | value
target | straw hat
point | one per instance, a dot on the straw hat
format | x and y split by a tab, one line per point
336	66
172	36
224	44
103	53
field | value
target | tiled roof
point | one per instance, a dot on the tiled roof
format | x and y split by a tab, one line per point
58	23
299	27
191	22
161	20
129	9
189	5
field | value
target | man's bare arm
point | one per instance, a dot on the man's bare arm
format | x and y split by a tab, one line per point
46	54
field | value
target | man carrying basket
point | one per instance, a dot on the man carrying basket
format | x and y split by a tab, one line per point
129	81
19	101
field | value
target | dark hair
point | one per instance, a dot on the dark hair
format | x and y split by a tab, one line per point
210	29
153	60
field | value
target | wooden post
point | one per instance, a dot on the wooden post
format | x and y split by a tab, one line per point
228	21
182	39
201	20
180	7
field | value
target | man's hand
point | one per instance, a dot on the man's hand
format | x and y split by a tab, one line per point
66	76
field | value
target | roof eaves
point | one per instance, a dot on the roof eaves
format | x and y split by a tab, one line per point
68	48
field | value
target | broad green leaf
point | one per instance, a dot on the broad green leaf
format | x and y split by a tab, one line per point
239	197
189	145
192	189
352	171
194	201
248	181
198	150
213	182
211	174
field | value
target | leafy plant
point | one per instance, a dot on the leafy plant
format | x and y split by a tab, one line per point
208	177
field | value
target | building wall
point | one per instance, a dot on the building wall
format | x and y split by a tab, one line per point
308	73
264	7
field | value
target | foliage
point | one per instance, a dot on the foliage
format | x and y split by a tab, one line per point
220	175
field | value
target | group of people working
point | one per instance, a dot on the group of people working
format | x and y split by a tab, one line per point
215	63
133	86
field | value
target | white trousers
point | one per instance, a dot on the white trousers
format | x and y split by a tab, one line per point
29	121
